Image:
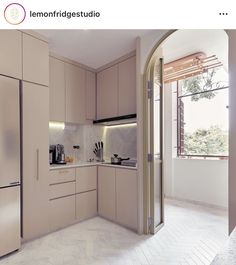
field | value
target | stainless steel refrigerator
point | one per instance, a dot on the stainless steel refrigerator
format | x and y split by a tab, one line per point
10	165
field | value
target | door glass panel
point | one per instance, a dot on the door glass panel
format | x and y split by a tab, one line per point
156	208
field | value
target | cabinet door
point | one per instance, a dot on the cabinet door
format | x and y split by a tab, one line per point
11	53
57	95
61	175
90	95
106	192
86	205
35	99
75	94
107	93
127	87
126	197
35	60
61	190
86	179
62	212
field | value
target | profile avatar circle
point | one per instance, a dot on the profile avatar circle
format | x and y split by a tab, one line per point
14	13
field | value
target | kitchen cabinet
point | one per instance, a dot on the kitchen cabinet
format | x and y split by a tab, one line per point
75	94
127	87
117	195
62	190
62	212
35	174
126	198
86	189
35	60
107	93
62	198
86	179
86	205
107	192
62	175
72	92
57	90
90	95
11	53
116	90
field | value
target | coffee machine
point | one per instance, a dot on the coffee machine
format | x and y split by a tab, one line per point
57	154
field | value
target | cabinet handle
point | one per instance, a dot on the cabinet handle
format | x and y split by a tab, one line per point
37	167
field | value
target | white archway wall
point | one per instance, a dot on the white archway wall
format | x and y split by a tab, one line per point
145	46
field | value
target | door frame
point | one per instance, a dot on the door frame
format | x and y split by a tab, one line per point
146	171
146	164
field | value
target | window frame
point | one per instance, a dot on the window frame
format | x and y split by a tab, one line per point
180	143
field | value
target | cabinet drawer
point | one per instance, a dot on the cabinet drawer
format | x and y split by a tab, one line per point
62	175
86	179
62	212
86	205
60	190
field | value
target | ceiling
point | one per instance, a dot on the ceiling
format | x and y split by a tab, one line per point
93	48
185	42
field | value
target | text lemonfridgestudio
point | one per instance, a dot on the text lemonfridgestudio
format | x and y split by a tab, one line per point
65	14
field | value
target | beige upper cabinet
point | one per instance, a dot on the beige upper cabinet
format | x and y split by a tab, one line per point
116	90
90	95
107	93
107	192
127	87
11	53
75	93
57	90
126	198
35	60
35	99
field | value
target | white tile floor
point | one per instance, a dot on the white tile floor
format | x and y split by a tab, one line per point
191	235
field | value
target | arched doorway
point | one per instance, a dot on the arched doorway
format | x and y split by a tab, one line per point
153	169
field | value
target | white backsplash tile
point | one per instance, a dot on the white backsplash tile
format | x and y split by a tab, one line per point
118	139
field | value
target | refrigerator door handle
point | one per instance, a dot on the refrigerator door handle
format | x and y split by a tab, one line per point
37	167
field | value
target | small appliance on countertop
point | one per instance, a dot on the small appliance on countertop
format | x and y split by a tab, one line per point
57	154
116	160
129	163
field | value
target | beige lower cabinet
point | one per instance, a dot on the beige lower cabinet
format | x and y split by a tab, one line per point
62	175
62	198
62	212
107	192
126	198
86	189
35	170
117	195
86	205
86	179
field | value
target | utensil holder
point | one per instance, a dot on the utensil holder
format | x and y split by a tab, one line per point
100	155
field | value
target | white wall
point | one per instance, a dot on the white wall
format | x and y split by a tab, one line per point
200	180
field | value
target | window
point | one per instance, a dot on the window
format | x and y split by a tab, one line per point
202	115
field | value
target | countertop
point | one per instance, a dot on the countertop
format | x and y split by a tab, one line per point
86	164
228	254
